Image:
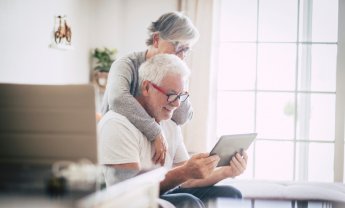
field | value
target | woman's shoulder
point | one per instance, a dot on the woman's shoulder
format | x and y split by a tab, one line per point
135	57
132	60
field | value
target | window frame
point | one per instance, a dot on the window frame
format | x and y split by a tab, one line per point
339	108
340	98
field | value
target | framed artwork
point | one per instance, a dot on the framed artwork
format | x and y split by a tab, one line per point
62	34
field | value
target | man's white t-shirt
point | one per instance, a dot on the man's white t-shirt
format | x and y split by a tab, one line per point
119	142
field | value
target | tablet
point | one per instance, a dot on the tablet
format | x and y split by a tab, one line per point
228	145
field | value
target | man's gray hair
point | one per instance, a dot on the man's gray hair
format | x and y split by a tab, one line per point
173	26
159	66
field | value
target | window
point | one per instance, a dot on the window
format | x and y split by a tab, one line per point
277	71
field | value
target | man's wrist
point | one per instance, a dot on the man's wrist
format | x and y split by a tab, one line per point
183	172
226	172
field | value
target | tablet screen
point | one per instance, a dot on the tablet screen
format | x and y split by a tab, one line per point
228	145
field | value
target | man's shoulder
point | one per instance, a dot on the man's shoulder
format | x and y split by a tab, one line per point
112	115
116	128
115	119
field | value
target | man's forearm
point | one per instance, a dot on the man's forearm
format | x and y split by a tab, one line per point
120	172
214	178
173	178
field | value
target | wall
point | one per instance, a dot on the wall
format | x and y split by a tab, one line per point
122	24
27	25
107	24
26	28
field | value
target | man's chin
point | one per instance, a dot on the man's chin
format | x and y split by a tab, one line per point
167	116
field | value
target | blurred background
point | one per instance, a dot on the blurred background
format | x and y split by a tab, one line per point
271	67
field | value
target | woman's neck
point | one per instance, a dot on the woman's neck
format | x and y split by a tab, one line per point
151	51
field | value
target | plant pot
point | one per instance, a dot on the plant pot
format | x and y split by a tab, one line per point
100	80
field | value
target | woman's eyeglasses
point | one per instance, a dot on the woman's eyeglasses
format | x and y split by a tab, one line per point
180	49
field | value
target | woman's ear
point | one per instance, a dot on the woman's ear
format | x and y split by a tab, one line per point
145	88
155	40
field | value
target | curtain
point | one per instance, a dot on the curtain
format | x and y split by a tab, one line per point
200	131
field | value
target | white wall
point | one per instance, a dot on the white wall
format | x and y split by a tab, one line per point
122	24
25	35
27	25
107	24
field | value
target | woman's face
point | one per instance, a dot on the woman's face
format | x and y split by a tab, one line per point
170	47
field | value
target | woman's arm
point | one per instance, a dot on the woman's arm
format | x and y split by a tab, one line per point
122	85
184	113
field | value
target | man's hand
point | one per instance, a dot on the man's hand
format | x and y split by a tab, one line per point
200	165
160	145
237	165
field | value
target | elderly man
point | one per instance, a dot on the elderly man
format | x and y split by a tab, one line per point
123	148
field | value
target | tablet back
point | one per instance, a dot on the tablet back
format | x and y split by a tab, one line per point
228	145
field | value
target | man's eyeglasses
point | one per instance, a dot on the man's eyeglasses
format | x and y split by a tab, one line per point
172	97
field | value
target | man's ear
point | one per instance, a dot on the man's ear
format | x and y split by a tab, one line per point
155	40
145	88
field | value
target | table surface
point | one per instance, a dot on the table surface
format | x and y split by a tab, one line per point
69	200
272	203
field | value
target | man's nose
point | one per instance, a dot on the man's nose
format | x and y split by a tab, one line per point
176	103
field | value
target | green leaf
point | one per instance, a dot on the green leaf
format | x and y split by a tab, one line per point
104	58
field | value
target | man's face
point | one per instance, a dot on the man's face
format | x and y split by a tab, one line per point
157	104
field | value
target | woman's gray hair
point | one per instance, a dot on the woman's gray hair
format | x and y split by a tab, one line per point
159	66
173	26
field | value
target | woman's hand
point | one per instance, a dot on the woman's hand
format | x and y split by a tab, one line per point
160	150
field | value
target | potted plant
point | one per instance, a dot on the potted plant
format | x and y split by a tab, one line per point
103	58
